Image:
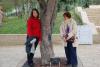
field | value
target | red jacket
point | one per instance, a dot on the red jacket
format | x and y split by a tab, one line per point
34	27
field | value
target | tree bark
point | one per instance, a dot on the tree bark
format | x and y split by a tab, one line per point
1	17
16	6
48	10
30	6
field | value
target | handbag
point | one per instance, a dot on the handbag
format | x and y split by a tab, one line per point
72	39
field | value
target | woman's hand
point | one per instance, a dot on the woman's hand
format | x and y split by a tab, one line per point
65	39
40	42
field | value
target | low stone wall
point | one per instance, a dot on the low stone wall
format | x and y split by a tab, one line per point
7	39
19	39
96	39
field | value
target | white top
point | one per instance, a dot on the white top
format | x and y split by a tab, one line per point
71	24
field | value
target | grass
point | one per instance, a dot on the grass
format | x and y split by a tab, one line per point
13	26
17	25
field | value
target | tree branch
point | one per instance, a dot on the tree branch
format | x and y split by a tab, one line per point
42	3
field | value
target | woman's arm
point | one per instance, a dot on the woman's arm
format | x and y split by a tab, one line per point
40	28
29	28
74	30
62	32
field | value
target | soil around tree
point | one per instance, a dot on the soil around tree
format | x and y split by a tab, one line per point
37	63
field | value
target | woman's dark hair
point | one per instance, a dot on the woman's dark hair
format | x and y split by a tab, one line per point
34	9
67	14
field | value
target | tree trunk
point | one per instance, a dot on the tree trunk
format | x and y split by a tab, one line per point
1	17
30	6
47	18
16	6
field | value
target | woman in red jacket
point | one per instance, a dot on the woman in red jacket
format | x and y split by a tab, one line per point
33	35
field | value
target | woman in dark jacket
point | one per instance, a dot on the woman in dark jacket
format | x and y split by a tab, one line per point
33	35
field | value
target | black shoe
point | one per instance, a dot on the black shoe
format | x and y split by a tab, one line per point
31	64
67	63
30	59
74	65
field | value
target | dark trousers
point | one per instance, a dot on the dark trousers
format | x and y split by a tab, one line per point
71	54
28	48
29	45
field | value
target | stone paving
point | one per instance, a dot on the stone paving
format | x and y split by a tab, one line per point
90	55
12	56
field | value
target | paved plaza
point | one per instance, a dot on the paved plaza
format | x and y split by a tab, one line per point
12	56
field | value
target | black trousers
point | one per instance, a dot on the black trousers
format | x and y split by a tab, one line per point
29	45
28	48
71	54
